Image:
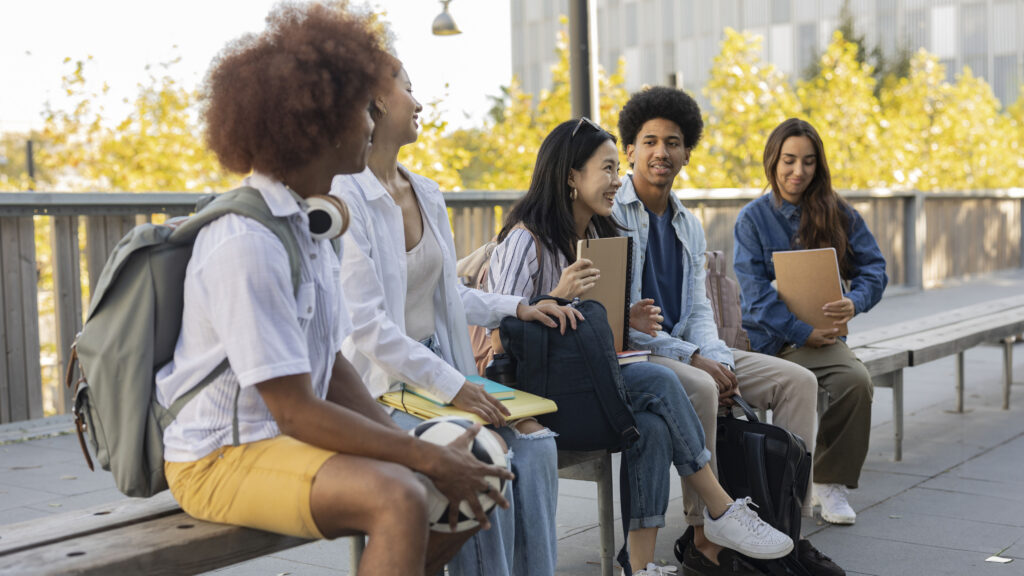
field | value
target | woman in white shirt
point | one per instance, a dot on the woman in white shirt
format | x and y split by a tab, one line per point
410	318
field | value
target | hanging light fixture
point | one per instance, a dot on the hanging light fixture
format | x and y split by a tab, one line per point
444	24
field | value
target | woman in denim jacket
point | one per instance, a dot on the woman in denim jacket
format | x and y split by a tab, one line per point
803	211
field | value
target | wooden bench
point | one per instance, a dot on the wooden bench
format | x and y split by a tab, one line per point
886	351
135	536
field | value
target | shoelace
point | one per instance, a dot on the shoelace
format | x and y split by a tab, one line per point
749	519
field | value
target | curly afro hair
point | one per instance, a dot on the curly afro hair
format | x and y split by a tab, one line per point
272	101
661	102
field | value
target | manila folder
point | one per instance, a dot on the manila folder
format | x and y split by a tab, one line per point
612	257
807	280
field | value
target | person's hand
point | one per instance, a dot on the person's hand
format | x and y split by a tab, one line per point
841	311
546	312
576	279
472	398
821	337
723	377
458	475
645	317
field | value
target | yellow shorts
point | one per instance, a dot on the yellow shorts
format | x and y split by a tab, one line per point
264	485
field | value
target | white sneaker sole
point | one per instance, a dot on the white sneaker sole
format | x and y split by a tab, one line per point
759	554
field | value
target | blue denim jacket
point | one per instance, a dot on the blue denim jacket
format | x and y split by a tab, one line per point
696	330
763	228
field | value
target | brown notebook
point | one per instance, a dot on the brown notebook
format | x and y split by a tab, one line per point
613	257
807	280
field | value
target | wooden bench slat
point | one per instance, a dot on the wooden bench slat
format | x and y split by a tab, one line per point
175	544
954	338
881	361
14	537
901	329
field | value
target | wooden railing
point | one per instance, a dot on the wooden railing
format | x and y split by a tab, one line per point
926	238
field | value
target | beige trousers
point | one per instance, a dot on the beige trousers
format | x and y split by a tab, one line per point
788	390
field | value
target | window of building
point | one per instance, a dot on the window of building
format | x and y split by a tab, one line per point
754	14
918	35
631	24
806	46
943	31
1006	81
668	19
686	18
780	11
781	40
1005	28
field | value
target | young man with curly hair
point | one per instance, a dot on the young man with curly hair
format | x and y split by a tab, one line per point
287	439
659	128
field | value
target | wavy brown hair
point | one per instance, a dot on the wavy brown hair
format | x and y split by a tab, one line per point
825	215
274	100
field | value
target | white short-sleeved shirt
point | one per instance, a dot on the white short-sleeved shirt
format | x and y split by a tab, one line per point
240	304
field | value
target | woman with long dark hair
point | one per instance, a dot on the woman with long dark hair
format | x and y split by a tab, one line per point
570	198
803	211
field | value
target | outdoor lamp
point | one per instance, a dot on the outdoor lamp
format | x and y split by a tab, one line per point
444	24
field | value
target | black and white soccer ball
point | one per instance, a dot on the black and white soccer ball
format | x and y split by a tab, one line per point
485	447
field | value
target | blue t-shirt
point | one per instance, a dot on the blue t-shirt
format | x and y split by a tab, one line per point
663	267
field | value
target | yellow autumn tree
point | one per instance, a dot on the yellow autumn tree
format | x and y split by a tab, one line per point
1015	114
434	154
840	102
748	98
158	146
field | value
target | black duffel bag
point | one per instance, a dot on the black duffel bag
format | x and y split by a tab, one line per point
772	466
580	372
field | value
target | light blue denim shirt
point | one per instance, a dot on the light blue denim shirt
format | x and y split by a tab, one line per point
695	331
763	228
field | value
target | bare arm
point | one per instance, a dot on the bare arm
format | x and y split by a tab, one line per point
347	389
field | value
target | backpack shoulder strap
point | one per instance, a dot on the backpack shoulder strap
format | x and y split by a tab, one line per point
245	201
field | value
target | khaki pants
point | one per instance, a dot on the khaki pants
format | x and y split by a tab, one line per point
786	389
845	428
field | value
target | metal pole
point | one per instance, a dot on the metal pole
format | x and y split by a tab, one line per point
582	61
30	164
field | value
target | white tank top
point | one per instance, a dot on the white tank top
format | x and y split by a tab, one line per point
424	271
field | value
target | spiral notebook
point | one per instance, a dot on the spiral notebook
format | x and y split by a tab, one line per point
614	258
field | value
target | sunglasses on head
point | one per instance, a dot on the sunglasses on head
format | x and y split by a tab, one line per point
584	121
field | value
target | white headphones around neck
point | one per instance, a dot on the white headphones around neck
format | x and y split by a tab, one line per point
328	216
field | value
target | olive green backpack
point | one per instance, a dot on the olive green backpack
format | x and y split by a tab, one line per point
131	330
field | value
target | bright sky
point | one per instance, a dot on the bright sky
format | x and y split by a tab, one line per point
123	36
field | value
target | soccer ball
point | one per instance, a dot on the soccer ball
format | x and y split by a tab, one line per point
485	447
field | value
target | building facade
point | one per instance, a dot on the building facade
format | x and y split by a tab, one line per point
673	42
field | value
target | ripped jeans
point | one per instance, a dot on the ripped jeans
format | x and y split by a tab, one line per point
522	540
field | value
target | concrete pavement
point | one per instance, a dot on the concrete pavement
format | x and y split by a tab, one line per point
956	499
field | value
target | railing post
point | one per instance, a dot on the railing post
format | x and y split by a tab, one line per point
67	290
914	231
21	393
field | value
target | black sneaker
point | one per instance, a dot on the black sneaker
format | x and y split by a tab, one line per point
815	562
696	564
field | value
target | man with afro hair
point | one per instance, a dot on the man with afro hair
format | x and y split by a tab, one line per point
659	128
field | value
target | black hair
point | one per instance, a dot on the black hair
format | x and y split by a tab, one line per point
661	102
546	209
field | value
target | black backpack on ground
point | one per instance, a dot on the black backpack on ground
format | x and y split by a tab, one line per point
580	372
773	467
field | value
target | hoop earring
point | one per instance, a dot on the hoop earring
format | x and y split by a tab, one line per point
574	194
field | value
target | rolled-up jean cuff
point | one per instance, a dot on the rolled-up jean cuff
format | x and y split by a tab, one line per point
647	522
690	468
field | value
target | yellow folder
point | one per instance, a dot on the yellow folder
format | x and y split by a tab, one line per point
522	406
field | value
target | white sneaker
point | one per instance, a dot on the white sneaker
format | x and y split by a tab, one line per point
742	530
835	508
654	570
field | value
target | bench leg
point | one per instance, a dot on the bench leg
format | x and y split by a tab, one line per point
1007	370
357	544
960	382
897	414
606	515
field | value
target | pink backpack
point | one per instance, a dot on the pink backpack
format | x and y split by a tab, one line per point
724	293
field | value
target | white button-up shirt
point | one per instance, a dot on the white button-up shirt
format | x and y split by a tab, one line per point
374	277
240	304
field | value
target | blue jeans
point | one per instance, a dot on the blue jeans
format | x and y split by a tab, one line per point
521	541
670	433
